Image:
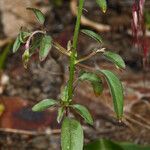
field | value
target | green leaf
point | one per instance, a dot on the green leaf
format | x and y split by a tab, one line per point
23	35
103	144
25	58
115	58
60	115
16	45
83	111
95	81
35	43
116	90
45	47
44	104
64	94
93	35
71	135
102	4
39	15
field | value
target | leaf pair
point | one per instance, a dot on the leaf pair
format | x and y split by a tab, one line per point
114	83
113	57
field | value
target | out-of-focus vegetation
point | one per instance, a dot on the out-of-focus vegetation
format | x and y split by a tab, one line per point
57	2
4	55
103	144
147	19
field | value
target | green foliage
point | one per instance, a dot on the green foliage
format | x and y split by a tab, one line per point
60	115
58	2
44	104
83	111
45	47
71	135
39	15
116	90
147	19
95	81
115	58
92	34
103	144
23	35
38	41
16	45
102	4
64	94
4	54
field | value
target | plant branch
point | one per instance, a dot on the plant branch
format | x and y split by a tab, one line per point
60	48
90	55
27	46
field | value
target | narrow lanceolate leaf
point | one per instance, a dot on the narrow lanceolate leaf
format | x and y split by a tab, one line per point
83	111
60	114
116	90
71	135
39	15
92	34
115	58
96	81
102	4
16	45
44	104
45	47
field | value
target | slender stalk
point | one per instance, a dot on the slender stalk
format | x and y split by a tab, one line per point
27	46
74	53
90	55
77	27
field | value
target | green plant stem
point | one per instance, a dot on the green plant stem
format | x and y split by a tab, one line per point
77	27
74	52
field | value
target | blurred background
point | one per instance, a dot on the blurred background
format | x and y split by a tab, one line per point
21	88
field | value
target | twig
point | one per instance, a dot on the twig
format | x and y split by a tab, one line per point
137	122
90	55
60	48
18	131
